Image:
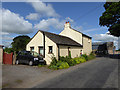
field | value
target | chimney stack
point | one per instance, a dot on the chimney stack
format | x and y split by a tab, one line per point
67	25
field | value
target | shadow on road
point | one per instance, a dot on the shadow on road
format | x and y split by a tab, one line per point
114	56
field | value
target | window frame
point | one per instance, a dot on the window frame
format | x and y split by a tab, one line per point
39	50
31	48
49	50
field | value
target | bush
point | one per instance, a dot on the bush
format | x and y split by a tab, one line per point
59	65
75	61
63	59
69	54
8	50
54	61
67	59
40	65
62	65
91	56
82	60
72	62
85	56
53	67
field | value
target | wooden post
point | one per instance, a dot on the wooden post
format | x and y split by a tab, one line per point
14	58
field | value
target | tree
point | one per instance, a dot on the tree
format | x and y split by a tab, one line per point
8	50
19	43
111	18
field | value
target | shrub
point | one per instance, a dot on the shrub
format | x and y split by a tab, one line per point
69	54
91	56
59	65
82	60
71	62
62	65
63	59
54	61
40	65
85	56
67	59
53	67
8	50
76	60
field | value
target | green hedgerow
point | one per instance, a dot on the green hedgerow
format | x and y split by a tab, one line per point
54	61
91	56
53	67
59	65
85	56
76	60
62	65
67	59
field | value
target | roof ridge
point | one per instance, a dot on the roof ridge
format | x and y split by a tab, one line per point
60	36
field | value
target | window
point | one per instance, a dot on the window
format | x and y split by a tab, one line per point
50	49
40	50
88	40
31	48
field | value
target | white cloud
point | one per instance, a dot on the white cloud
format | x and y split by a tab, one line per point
4	33
53	22
6	43
106	38
32	16
7	38
95	29
44	9
69	19
78	28
14	23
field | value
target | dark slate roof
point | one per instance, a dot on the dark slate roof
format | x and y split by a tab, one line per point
61	40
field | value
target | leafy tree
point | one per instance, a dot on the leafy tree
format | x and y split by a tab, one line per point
111	18
8	50
19	43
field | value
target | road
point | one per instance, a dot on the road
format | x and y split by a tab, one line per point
102	73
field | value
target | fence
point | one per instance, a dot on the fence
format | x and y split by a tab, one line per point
7	58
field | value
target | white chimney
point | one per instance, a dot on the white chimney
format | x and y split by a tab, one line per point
67	25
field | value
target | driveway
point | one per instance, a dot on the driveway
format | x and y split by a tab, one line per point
98	73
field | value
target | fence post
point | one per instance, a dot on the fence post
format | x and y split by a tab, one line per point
14	58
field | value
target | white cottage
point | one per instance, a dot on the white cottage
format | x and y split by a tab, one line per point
69	40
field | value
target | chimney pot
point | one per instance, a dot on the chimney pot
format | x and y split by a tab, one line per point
67	25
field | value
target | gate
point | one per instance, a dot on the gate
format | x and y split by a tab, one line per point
7	58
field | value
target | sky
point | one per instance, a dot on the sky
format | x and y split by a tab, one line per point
26	18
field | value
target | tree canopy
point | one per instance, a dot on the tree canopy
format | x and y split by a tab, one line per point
111	18
19	43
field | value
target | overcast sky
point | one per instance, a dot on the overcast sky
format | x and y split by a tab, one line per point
26	18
